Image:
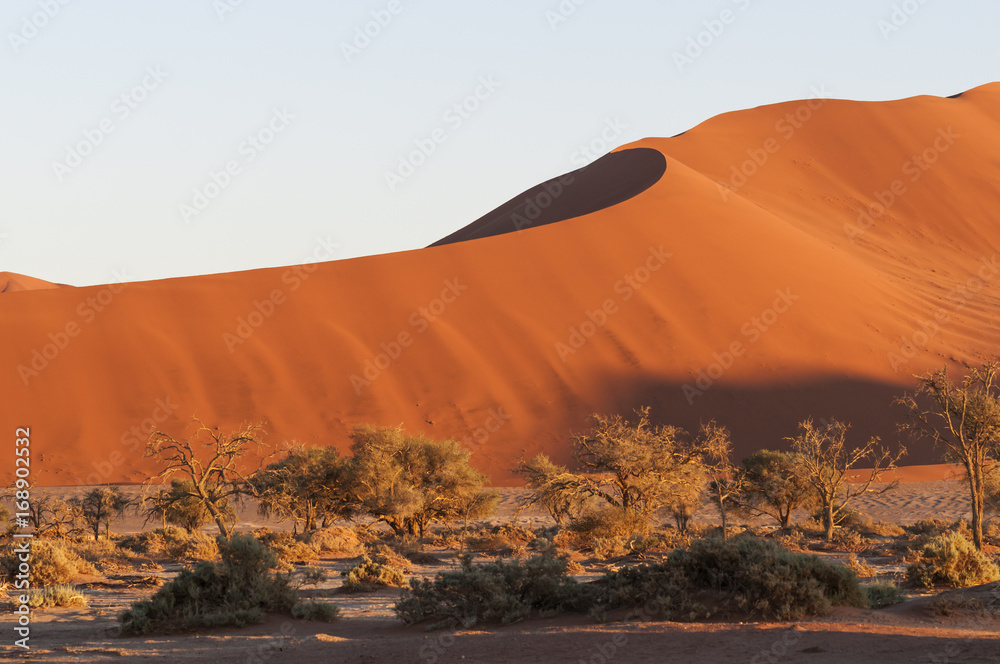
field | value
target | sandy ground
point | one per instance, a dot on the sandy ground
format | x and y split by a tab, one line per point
369	632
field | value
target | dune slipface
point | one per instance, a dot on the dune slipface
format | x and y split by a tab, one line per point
805	258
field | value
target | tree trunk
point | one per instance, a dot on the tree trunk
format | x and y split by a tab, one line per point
828	520
723	513
976	488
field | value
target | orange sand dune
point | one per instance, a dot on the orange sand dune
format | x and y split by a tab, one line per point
10	282
799	259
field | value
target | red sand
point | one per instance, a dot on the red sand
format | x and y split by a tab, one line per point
472	336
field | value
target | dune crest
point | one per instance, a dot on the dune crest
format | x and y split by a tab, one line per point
804	258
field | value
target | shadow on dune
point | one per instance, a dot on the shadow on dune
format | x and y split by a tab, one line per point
610	180
764	416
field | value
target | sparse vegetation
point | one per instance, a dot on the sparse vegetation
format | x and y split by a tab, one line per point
635	469
772	487
311	486
99	506
53	596
238	590
52	563
209	463
965	421
826	463
369	575
499	592
881	595
951	559
409	482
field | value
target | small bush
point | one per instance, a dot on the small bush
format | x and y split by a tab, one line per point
316	611
848	539
52	563
238	590
606	523
860	566
881	595
368	576
951	559
382	553
172	542
337	540
289	549
52	596
881	529
744	573
498	592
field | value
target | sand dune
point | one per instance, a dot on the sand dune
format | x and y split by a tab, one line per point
798	259
10	282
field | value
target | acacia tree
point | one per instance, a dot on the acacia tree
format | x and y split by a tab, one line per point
637	469
312	486
553	488
410	481
964	420
826	464
212	463
726	482
771	486
99	506
178	506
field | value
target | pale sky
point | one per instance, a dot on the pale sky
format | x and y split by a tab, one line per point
145	140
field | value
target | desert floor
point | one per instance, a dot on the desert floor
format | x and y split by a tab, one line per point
914	631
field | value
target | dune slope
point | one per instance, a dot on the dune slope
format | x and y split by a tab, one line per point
804	258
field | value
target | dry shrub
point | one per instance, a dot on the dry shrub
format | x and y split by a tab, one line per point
52	563
498	592
949	606
860	566
289	549
106	555
382	553
848	539
951	559
743	573
172	542
881	595
368	576
882	529
338	540
411	549
240	589
605	524
53	596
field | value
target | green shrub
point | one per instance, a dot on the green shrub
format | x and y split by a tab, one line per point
743	574
238	590
51	596
368	576
503	592
316	611
881	595
52	563
951	559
